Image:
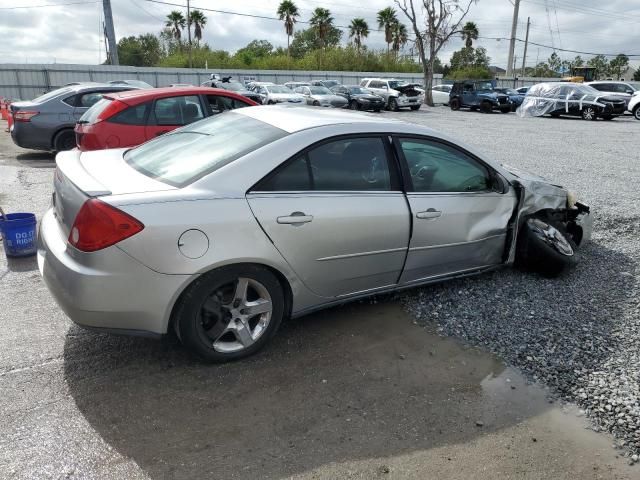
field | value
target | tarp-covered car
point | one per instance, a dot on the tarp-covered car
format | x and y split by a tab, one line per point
574	99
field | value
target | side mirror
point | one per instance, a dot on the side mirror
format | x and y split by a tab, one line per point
499	183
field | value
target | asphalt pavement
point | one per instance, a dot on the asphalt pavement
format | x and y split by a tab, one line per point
361	391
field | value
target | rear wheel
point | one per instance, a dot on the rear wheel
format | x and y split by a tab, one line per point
230	313
454	104
354	105
486	107
65	140
393	105
316	103
636	112
545	247
506	110
589	113
415	107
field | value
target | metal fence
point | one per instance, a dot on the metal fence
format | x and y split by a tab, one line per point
27	81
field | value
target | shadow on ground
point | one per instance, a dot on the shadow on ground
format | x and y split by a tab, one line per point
37	159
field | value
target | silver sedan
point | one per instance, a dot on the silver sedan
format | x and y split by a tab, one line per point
320	96
222	228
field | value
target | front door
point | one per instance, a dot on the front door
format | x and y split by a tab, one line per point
459	218
337	215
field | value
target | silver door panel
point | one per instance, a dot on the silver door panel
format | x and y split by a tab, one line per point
343	243
455	232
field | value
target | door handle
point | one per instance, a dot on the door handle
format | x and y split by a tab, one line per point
296	218
429	213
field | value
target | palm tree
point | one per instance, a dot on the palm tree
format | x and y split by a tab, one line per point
198	20
321	21
288	11
386	19
399	36
469	33
358	30
176	22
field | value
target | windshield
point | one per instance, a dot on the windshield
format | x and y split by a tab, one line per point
359	90
234	86
320	91
396	83
51	94
278	89
484	86
189	153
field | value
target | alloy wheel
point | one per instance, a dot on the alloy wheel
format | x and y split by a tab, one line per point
552	237
589	113
235	315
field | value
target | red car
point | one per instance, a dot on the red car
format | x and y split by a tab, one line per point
127	119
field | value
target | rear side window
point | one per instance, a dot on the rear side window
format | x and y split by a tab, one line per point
131	116
348	164
181	157
177	110
87	100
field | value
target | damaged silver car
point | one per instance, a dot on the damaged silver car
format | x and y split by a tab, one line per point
226	226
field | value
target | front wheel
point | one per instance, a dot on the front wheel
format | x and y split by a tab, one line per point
545	247
316	103
415	107
454	104
393	105
589	113
506	110
230	313
636	112
354	105
486	107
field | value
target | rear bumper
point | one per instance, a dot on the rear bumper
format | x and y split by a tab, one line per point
106	290
26	135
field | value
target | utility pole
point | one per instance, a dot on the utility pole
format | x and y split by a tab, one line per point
512	43
526	42
110	32
189	31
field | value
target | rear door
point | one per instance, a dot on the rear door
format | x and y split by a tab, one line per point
170	113
459	219
126	128
337	214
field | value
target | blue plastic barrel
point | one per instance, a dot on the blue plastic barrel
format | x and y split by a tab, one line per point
18	234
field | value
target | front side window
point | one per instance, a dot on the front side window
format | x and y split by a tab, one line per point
348	164
183	156
436	167
177	110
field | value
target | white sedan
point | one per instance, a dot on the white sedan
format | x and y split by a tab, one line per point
440	94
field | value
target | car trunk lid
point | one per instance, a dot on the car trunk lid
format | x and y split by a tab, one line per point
83	175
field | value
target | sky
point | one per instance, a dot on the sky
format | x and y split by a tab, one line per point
32	31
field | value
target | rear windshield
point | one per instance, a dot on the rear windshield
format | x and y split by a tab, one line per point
189	153
51	94
91	115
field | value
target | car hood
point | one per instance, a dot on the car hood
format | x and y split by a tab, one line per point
407	90
328	98
286	96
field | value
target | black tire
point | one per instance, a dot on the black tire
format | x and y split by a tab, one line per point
636	112
555	115
191	318
65	140
377	110
271	102
589	113
545	247
486	107
607	117
393	105
506	110
415	107
454	104
354	105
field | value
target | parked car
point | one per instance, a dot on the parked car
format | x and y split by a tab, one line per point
253	86
133	83
128	119
325	83
226	226
294	85
440	94
622	90
359	98
478	94
272	94
321	97
46	123
634	105
515	96
396	93
226	83
576	99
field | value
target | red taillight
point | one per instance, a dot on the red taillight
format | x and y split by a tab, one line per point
24	115
115	106
99	225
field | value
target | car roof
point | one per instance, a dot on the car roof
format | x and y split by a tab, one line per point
292	118
148	94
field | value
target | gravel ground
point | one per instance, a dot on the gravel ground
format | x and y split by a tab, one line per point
578	334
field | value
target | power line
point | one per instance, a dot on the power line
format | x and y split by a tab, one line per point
564	49
49	5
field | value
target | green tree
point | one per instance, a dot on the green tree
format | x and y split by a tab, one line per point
358	30
305	41
288	11
176	23
399	37
618	65
554	63
469	33
198	20
254	50
601	64
386	19
321	21
469	62
141	51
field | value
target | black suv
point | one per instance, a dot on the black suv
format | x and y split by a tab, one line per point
478	94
